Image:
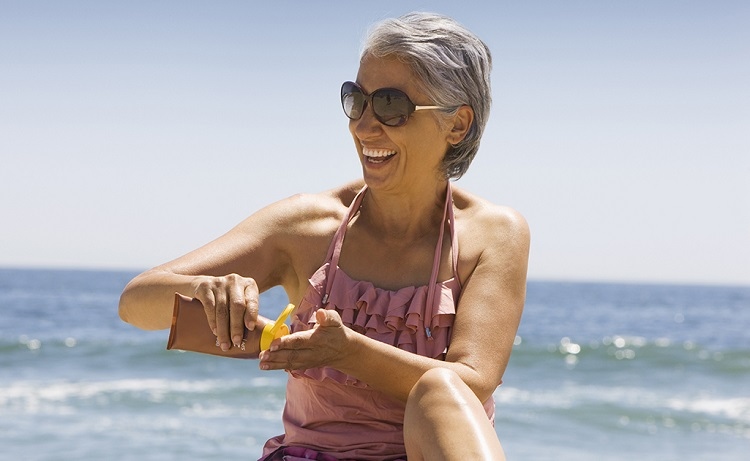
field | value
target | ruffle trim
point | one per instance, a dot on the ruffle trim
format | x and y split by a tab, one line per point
400	318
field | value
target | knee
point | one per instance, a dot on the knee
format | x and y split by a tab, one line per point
429	401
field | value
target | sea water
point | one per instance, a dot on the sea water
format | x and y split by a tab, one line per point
598	372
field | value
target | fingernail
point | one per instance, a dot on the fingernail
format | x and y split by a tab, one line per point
224	347
274	348
236	340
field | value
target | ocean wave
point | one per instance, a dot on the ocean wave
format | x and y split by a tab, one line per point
631	408
570	396
737	409
617	350
65	397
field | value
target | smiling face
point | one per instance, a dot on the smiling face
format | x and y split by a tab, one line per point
395	158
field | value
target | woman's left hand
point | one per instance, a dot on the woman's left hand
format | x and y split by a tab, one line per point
323	345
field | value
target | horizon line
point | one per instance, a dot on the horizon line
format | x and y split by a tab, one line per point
530	279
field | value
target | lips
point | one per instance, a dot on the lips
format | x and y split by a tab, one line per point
377	155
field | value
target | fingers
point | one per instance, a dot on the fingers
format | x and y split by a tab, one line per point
222	318
205	295
237	305
231	304
328	318
323	345
251	311
287	353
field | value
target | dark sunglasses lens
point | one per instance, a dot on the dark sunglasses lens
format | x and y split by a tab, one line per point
392	107
352	100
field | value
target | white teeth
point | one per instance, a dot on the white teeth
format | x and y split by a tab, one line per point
377	153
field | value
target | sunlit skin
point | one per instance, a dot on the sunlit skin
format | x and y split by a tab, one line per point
390	243
408	187
419	145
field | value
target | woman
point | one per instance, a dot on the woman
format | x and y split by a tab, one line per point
409	292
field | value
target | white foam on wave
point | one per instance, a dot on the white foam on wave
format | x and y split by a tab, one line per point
271	414
61	397
569	396
736	409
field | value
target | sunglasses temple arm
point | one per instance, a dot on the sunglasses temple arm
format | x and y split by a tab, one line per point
428	107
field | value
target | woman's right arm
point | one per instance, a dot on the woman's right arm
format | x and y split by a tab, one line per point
226	275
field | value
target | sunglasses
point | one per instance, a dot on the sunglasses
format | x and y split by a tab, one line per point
391	107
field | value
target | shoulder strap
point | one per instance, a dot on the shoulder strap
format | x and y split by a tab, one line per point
454	235
447	216
334	251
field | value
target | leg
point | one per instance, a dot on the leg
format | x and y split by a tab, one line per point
444	420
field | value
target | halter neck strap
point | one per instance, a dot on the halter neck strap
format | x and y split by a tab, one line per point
447	215
334	251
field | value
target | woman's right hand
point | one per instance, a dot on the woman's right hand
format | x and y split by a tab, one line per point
231	305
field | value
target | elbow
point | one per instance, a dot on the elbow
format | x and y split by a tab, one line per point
122	311
123	315
143	307
123	308
484	393
129	313
482	386
483	390
130	307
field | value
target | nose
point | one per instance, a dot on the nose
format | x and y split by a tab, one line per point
367	125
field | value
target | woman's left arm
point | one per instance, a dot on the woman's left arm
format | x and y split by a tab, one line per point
492	301
487	318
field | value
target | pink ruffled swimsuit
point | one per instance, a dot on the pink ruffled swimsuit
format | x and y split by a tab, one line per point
336	414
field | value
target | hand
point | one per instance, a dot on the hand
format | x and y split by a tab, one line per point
231	305
324	345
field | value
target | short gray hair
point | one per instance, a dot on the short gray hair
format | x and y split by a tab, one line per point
452	63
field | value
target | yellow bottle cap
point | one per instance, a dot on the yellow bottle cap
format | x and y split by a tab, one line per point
277	330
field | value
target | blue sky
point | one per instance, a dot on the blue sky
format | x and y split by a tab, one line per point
133	132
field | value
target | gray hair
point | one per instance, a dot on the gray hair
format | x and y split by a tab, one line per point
452	63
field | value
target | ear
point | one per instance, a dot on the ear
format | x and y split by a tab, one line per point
461	123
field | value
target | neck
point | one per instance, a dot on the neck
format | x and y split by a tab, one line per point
404	216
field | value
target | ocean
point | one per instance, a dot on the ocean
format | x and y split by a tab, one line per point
599	372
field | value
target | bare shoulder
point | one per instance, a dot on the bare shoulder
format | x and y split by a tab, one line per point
482	219
494	237
286	241
330	201
304	212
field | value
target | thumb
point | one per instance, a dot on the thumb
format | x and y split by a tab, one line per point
328	318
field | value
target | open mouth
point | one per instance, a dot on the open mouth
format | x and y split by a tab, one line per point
378	155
